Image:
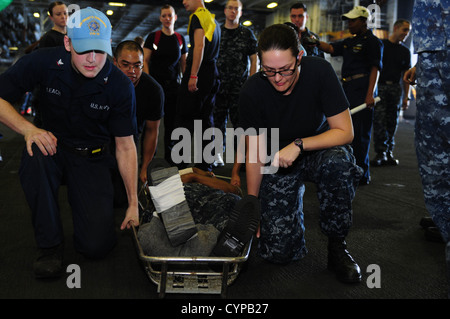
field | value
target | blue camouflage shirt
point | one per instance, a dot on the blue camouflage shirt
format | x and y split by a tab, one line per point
431	25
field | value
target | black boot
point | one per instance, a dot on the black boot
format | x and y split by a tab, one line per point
426	222
49	262
379	159
340	261
391	160
434	235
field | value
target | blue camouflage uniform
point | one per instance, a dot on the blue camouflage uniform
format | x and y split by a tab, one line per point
396	60
236	46
431	38
316	96
335	175
208	205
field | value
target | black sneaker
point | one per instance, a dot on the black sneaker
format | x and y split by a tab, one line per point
241	227
49	263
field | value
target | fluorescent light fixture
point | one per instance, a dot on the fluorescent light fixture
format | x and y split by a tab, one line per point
272	5
117	4
109	12
13	48
36	15
247	23
208	1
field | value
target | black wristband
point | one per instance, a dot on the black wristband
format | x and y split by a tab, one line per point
299	143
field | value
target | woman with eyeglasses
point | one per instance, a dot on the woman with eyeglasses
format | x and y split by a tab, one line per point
298	103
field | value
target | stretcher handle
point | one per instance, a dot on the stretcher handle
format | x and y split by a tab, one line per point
356	109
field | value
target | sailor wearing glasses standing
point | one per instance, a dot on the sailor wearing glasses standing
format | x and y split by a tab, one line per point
303	98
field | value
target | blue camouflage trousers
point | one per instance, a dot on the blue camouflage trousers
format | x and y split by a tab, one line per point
335	174
210	206
226	104
432	135
385	118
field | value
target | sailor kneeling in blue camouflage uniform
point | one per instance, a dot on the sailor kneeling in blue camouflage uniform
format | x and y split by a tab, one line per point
302	98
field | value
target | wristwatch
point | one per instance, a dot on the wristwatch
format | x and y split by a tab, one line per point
299	143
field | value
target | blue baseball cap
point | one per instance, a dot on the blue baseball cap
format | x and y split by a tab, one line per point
89	29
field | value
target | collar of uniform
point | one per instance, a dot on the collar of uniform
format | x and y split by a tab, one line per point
239	27
97	84
63	63
61	59
366	34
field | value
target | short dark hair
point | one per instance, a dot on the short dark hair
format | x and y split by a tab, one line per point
129	45
298	5
400	22
52	5
167	6
139	40
278	37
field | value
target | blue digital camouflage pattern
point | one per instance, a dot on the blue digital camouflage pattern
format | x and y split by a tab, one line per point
385	118
430	25
236	46
432	131
432	135
432	40
208	206
282	229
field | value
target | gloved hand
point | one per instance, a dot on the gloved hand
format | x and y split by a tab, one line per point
310	41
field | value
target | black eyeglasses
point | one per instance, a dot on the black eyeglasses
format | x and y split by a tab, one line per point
129	66
270	73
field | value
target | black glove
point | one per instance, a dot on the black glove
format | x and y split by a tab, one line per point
310	41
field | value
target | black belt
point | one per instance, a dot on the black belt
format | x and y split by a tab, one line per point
354	77
85	151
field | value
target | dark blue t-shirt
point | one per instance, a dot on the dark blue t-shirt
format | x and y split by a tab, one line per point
317	95
211	49
360	53
164	62
396	59
149	100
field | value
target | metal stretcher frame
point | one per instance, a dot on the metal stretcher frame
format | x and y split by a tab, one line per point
190	275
